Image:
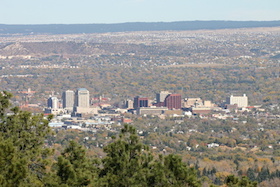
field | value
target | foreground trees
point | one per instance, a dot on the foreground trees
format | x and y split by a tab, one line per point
73	168
127	162
25	160
130	163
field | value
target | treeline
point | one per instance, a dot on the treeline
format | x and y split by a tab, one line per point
252	174
26	160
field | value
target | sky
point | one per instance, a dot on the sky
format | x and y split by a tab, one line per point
121	11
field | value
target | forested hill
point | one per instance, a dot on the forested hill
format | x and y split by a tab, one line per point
137	26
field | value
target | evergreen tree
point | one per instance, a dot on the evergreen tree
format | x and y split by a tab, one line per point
217	181
204	172
251	174
264	174
73	168
130	163
127	161
233	181
183	175
213	171
23	157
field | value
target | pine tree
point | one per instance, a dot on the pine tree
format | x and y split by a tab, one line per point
233	181
74	168
23	157
130	163
127	161
251	174
178	173
264	174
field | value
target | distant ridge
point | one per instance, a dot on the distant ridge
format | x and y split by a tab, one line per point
137	26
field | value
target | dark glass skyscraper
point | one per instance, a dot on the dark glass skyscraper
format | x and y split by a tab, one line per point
140	102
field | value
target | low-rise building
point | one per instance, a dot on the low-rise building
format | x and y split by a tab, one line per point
151	110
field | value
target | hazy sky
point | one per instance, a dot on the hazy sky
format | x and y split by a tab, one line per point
119	11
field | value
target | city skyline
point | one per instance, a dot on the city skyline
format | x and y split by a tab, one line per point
108	11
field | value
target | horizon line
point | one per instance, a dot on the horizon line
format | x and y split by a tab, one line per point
140	22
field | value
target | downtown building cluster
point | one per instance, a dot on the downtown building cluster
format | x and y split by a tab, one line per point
81	111
79	103
164	101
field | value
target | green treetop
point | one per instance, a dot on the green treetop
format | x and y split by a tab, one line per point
23	157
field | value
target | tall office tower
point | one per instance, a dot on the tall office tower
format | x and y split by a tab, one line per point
173	101
140	102
53	102
160	97
82	98
241	101
129	104
68	99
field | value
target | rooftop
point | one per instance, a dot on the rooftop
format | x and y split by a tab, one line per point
82	89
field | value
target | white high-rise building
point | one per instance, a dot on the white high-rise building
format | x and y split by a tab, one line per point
53	102
68	99
129	104
160	97
82	98
241	101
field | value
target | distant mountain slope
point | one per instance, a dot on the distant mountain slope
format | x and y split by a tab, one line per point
139	26
41	49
